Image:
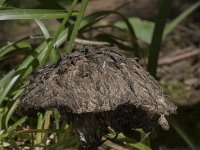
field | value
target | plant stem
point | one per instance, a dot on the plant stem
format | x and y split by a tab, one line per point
60	29
77	25
157	36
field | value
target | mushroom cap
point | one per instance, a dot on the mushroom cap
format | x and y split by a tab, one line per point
96	80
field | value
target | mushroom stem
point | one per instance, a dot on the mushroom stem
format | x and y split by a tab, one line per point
88	131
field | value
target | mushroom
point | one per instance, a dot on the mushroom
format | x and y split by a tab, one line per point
97	88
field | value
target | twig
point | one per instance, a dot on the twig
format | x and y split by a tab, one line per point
176	58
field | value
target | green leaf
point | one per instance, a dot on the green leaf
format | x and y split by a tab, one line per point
3	112
53	56
56	115
143	28
10	112
76	25
139	146
13	143
18	92
18	45
171	26
91	19
38	138
95	17
14	14
130	142
17	123
58	32
6	79
4	135
23	70
2	3
113	40
182	133
35	59
43	29
7	89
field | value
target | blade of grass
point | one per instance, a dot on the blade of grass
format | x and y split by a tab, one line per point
17	133
53	55
18	92
157	36
113	40
27	66
3	112
95	17
11	79
182	133
91	19
130	142
180	18
2	3
132	35
17	123
15	14
143	28
46	125
6	79
43	29
7	89
10	112
20	44
76	25
56	115
13	143
61	27
38	137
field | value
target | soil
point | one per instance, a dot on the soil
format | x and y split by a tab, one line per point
182	49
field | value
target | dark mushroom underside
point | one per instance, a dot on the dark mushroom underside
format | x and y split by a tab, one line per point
90	127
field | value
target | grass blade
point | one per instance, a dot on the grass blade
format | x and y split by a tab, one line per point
15	14
2	3
14	126
180	18
130	142
13	143
157	36
76	25
18	45
113	40
53	55
7	89
143	28
10	112
182	134
61	27
43	29
38	137
95	17
6	79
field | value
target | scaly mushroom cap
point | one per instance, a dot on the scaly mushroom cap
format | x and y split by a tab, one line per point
96	80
